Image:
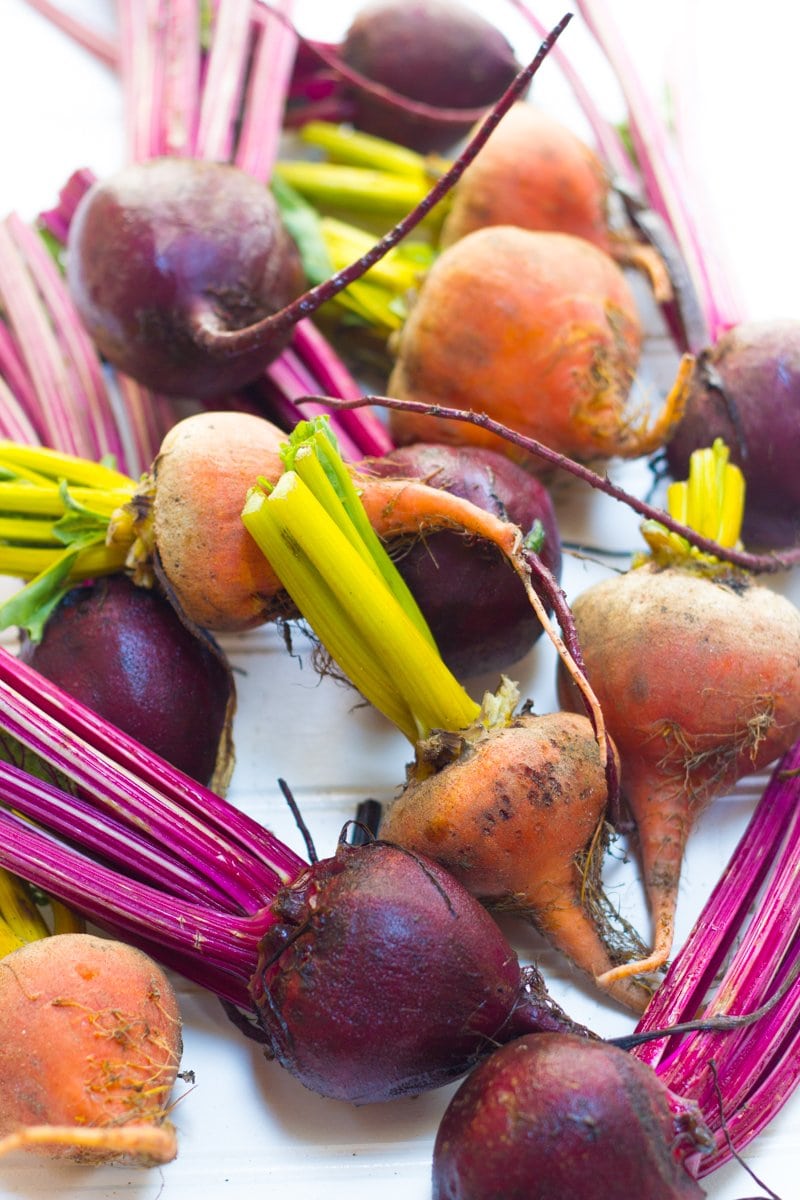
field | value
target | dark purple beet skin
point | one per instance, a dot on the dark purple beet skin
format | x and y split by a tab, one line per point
385	978
123	651
553	1117
746	390
471	598
442	54
186	278
194	245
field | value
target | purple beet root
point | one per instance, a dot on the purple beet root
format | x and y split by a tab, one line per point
385	978
474	603
123	651
168	256
554	1117
441	54
186	278
746	390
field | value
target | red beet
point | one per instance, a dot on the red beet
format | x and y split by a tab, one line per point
554	1117
474	603
186	279
385	978
123	651
442	54
168	255
746	390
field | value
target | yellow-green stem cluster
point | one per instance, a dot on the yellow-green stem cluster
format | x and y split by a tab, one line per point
55	511
313	529
710	501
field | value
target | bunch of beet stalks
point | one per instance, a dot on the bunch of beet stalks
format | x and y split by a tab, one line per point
230	907
300	952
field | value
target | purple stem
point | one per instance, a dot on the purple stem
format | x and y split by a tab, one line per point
224	81
750	979
268	84
365	428
131	908
695	966
763	1103
761	563
123	766
86	404
101	836
252	338
289	375
756	1065
57	219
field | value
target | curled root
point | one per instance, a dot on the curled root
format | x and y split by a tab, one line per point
135	1144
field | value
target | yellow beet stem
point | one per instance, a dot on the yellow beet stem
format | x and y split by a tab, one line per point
55	513
52	464
64	919
377	298
358	149
710	501
29	562
354	189
45	499
399	270
27	530
375	642
17	910
320	466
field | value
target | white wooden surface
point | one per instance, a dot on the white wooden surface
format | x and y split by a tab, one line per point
246	1127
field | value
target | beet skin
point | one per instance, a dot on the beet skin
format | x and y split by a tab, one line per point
552	1117
746	390
123	651
385	978
474	603
442	54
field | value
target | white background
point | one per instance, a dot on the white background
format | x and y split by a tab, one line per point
247	1128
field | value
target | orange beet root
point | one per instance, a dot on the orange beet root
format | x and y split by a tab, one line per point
537	329
90	1044
699	683
536	174
211	567
518	819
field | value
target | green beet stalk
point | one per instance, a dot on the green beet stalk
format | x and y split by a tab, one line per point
318	540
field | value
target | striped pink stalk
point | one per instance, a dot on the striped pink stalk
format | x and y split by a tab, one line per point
141	65
38	346
87	398
14	422
224	81
270	75
661	167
